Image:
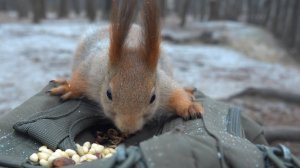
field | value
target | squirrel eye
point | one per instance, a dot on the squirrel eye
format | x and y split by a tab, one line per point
152	98
108	93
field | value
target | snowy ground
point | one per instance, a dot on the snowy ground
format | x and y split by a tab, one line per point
31	55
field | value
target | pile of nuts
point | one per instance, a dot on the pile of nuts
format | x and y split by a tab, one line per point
111	136
87	152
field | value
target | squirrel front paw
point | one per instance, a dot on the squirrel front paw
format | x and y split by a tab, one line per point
182	102
64	89
190	110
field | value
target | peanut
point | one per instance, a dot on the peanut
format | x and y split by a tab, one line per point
44	162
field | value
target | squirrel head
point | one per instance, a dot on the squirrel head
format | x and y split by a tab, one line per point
130	95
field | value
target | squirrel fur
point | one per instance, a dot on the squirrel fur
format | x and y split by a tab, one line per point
122	68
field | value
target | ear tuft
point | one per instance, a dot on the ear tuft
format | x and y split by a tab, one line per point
122	16
151	25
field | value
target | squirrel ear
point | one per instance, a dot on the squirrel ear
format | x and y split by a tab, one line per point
151	26
121	19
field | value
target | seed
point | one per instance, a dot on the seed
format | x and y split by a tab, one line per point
87	144
42	148
83	158
70	152
108	155
91	157
99	148
94	145
64	154
50	163
44	162
85	153
111	150
105	151
59	162
42	155
76	158
58	150
85	149
52	157
80	150
92	151
56	154
48	151
34	157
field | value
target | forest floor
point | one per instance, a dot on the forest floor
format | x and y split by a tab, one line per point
222	59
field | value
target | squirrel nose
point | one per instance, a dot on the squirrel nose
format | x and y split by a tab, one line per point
129	125
128	130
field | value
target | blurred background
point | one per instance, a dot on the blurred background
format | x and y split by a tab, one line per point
245	52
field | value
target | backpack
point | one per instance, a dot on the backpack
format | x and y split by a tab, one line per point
222	138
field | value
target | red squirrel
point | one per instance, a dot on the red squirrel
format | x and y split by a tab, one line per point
122	68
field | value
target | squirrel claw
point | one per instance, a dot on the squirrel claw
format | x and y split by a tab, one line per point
57	90
195	110
64	90
60	81
66	96
185	106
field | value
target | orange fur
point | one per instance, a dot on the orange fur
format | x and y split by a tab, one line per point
151	22
121	19
182	103
74	88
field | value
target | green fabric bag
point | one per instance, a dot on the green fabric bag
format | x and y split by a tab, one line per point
222	138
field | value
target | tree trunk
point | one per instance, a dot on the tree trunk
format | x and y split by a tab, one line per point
3	5
228	9
178	6
106	9
259	10
43	9
163	9
90	8
294	23
288	23
275	16
283	16
184	12
196	9
297	42
203	9
214	6
250	13
22	8
63	9
76	6
267	7
37	10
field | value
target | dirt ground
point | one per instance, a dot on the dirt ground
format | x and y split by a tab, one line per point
225	59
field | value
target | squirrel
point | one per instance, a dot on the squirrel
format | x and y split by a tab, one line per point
122	68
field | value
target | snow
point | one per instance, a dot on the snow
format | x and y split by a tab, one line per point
221	72
31	55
